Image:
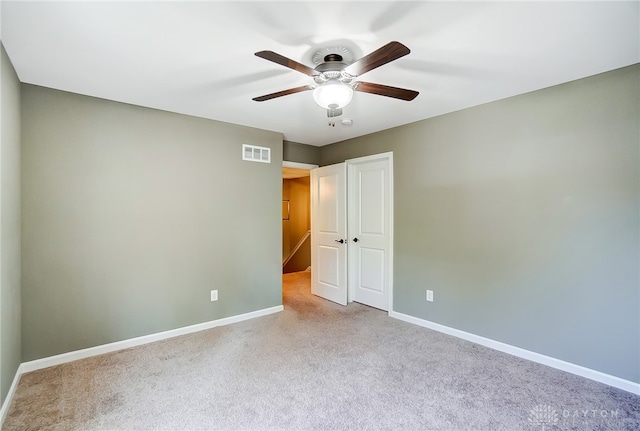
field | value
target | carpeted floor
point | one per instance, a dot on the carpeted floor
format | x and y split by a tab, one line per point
315	366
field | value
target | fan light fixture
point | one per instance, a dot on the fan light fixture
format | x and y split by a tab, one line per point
333	94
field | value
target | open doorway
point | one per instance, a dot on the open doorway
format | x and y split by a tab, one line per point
296	217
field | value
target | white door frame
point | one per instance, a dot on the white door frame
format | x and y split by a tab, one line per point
297	165
387	155
375	157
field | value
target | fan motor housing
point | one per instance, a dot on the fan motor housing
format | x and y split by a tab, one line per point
332	69
332	63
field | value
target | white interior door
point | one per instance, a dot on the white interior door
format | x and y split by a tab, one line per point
370	224
329	233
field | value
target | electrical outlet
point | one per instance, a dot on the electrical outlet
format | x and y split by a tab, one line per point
214	295
430	295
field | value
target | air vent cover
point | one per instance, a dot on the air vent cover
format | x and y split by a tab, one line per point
254	153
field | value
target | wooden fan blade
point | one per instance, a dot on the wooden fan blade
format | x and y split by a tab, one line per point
385	90
389	52
283	93
287	62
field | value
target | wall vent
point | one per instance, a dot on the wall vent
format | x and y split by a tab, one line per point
253	153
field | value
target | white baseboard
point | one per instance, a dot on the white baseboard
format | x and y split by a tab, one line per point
145	339
7	401
579	370
559	364
50	361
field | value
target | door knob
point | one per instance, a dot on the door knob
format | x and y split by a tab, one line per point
356	240
341	241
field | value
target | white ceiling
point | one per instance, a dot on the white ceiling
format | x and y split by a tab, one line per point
197	58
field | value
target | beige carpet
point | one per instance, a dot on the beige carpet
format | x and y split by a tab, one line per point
315	366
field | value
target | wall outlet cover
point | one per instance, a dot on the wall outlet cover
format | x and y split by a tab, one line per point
430	295
214	295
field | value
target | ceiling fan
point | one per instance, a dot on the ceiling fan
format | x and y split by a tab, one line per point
334	79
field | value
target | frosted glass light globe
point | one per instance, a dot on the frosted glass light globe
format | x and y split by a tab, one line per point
333	94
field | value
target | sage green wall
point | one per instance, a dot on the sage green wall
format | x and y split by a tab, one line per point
522	216
10	296
301	153
132	215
